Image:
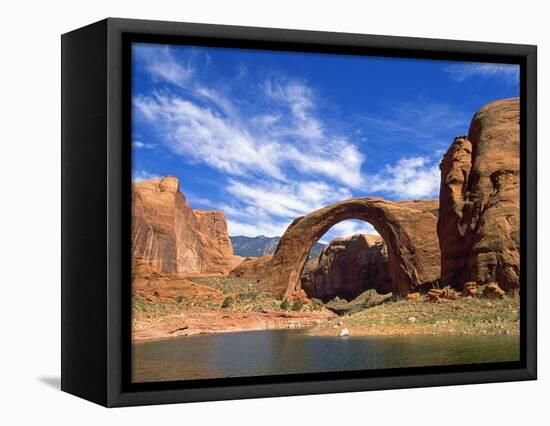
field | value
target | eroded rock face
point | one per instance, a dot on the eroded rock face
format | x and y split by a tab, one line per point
174	238
478	225
407	227
347	267
217	251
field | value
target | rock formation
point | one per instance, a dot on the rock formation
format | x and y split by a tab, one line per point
252	267
174	238
347	267
365	300
478	224
407	227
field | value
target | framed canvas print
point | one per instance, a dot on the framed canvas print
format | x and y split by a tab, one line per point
252	212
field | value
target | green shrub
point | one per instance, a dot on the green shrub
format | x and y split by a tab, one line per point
297	305
179	299
316	304
227	302
249	295
285	305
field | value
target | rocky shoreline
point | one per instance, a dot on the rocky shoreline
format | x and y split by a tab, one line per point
214	322
183	305
209	304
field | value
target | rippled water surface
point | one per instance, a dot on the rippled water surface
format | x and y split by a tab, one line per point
291	351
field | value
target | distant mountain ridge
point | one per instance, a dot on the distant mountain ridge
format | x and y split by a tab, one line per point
261	245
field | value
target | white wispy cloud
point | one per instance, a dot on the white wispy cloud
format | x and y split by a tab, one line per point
196	201
262	208
422	120
413	177
242	71
268	208
286	200
509	73
281	157
427	118
256	228
298	99
141	175
161	63
214	132
262	151
142	145
199	134
348	228
352	227
271	206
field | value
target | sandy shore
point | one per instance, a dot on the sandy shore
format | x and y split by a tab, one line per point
186	324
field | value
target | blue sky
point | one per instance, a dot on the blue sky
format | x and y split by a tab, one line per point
268	136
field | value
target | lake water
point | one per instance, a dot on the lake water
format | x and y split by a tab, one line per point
293	351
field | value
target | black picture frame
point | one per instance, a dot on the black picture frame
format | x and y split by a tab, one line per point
96	179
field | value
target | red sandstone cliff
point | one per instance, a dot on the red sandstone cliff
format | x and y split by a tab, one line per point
478	226
174	238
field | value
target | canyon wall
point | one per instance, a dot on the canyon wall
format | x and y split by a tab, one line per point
478	226
172	237
347	267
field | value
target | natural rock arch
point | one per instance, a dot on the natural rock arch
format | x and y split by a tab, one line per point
407	227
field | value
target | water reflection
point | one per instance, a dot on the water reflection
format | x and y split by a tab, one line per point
292	351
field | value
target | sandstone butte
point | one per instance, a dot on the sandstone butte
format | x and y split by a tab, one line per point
407	227
478	224
172	237
347	267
